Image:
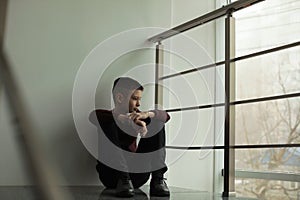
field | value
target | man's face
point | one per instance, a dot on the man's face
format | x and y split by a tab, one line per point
135	100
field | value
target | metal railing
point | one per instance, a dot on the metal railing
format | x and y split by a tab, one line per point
229	145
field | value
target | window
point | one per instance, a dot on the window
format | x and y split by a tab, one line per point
264	26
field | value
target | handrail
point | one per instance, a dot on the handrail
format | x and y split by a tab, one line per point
235	6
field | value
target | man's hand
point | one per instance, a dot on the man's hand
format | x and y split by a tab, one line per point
140	115
141	127
124	119
135	121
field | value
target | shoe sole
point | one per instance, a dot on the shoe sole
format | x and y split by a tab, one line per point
124	194
167	194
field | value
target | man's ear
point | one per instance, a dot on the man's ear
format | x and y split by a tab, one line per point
119	98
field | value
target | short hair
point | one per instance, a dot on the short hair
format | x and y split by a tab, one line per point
125	85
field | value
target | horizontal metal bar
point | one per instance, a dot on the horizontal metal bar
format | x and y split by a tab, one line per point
195	147
257	146
268	175
195	107
193	70
247	101
237	5
284	96
249	146
259	53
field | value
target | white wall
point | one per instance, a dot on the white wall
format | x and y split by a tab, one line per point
46	42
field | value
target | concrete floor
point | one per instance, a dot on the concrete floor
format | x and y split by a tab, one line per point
100	193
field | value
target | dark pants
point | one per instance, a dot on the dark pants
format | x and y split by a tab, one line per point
155	166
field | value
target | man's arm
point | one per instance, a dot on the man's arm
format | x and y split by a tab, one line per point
100	115
160	115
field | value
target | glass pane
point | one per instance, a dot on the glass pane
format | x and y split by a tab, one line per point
267	189
194	128
271	74
268	173
186	169
191	49
270	122
192	89
267	24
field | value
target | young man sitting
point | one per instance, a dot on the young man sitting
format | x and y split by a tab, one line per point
134	135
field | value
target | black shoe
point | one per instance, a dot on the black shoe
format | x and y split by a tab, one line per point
159	188
124	187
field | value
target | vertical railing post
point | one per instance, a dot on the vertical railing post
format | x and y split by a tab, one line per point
3	10
158	96
229	126
43	172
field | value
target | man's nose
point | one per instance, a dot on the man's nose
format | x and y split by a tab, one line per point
138	103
